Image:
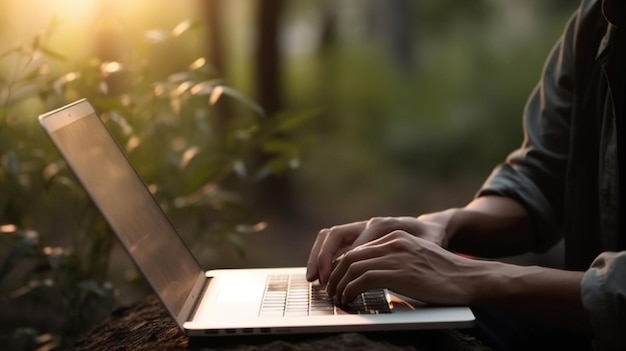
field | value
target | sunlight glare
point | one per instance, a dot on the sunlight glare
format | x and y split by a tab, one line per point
216	94
8	228
159	89
197	64
182	27
110	67
72	9
53	251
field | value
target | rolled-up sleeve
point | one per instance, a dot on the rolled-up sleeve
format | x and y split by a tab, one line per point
534	174
603	293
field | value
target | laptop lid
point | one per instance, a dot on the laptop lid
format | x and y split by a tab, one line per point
139	223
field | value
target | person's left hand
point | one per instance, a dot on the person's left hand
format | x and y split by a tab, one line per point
406	264
331	243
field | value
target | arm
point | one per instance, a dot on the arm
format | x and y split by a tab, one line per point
427	272
489	226
545	295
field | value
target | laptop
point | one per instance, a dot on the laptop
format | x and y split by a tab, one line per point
220	302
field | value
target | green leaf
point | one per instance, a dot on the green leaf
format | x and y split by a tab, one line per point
28	241
56	256
290	121
92	286
184	27
243	99
251	228
51	171
240	169
180	77
276	165
13	164
205	87
283	147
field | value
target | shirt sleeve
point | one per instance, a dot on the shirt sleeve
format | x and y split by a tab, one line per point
534	174
603	291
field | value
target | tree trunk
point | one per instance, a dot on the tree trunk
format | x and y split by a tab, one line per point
212	14
391	24
268	62
275	195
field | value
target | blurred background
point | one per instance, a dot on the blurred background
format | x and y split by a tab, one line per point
384	108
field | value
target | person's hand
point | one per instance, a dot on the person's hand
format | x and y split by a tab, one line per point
406	264
331	243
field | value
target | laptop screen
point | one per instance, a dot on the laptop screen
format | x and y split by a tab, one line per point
126	203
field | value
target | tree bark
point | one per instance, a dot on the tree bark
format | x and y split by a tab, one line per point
212	13
276	194
268	62
391	24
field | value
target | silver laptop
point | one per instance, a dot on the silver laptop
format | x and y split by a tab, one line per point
216	302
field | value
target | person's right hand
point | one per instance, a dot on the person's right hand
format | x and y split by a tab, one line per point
331	243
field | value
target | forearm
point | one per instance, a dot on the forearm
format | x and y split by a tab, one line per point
490	226
542	294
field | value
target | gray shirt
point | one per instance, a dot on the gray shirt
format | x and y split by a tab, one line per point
566	171
604	297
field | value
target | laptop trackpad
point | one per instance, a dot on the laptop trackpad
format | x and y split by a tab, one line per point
233	292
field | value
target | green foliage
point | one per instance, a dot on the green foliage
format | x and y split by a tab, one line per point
193	157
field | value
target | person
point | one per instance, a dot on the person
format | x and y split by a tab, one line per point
562	183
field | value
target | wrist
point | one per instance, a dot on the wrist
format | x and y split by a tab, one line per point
488	283
452	224
444	220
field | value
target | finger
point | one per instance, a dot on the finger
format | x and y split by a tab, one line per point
331	242
369	256
363	276
351	262
311	265
376	227
337	238
379	227
371	279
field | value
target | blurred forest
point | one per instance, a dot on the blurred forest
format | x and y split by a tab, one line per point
413	102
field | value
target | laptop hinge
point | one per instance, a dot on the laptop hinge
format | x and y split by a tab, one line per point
192	301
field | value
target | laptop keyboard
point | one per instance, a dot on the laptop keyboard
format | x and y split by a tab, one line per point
292	296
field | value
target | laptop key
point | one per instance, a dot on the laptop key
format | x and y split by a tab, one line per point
294	296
